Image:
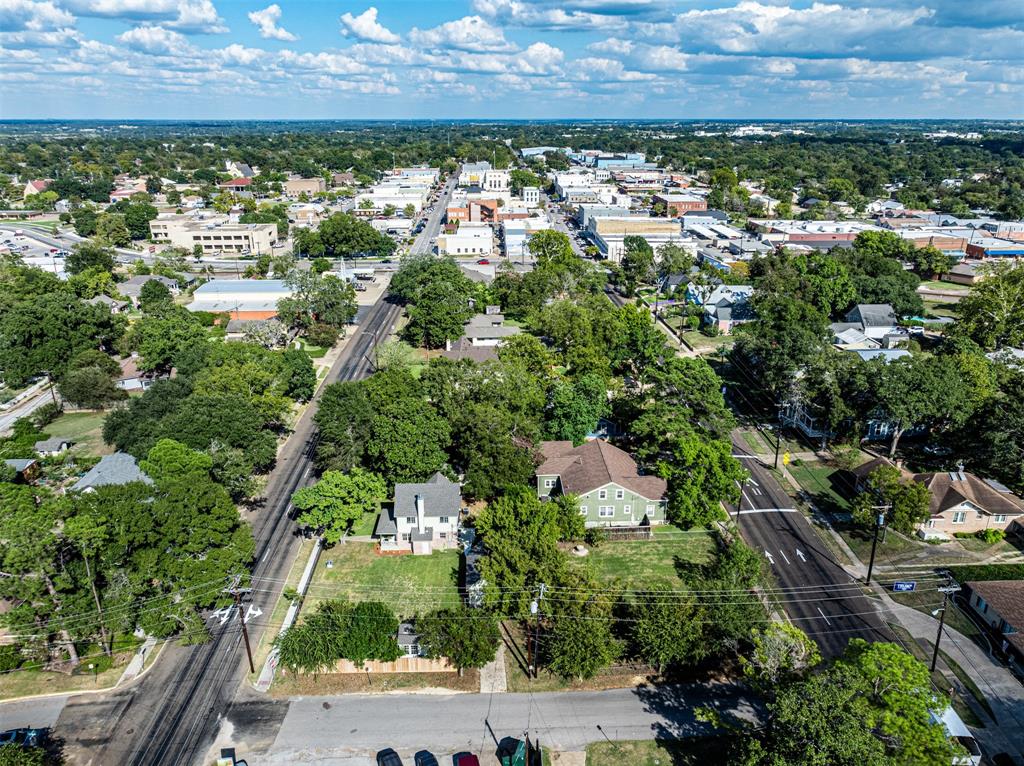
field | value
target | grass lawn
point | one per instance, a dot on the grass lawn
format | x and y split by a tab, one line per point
823	483
409	584
936	309
928	599
701	342
365	525
315	352
83	428
696	751
934	284
860	541
636	564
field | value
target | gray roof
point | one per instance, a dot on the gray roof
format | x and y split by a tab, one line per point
486	320
133	287
106	300
407	636
119	468
441	497
422	537
886	354
385	524
491	332
19	464
53	443
872	315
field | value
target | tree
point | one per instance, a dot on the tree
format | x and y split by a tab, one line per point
492	448
521	534
992	314
315	645
320	265
438	314
579	639
317	299
371	635
268	333
907	500
137	217
574	408
571	524
337	501
89	255
550	246
161	338
154	296
345	236
926	391
673	259
85	221
407	440
667	628
780	654
299	375
932	261
468	638
343	419
90	388
112	229
409	211
701	474
637	263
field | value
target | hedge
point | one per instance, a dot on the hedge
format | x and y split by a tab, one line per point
964	574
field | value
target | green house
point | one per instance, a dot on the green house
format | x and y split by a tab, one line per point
611	490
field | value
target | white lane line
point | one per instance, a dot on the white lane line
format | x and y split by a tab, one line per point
768	510
827	621
784	556
749	501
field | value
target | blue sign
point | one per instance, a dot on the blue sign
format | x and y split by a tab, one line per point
904	587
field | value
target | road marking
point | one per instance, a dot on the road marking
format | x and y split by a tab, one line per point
769	556
752	482
265	555
784	556
252	611
827	621
800	555
768	510
758	492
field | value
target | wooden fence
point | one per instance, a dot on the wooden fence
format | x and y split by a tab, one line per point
401	665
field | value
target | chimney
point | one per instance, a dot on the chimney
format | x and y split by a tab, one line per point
419	513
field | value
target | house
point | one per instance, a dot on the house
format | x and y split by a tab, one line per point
487	330
236	185
605	479
113	305
463	348
35	187
726	306
963	502
112	470
876	320
25	469
422	517
51	447
409	640
131	378
1000	603
132	289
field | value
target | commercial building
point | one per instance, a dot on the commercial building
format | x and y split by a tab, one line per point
496	181
217	234
677	204
810	231
241	298
585	212
531	196
609	234
295	186
517	235
472	173
470	239
994	247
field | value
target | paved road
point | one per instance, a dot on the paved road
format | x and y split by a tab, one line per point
334	729
819	597
172	715
425	240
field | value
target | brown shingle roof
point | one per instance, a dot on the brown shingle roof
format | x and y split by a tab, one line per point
950	489
1007	598
594	464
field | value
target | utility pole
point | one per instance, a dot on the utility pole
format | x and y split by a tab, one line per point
778	439
945	591
237	593
879	523
532	661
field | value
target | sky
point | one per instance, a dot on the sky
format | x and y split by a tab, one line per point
518	59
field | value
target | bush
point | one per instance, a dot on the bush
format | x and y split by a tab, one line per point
322	335
10	657
46	414
990	536
594	536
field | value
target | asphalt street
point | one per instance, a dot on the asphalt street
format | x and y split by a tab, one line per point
172	714
333	729
818	595
424	242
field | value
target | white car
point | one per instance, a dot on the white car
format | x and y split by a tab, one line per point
958	731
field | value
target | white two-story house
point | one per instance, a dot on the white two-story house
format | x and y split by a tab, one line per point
422	518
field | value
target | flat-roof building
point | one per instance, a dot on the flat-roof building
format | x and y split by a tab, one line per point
218	234
241	298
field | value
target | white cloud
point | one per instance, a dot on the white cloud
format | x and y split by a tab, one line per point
150	39
366	27
470	33
267	20
239	55
328	63
18	15
543	15
595	69
188	16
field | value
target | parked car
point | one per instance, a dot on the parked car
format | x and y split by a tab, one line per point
425	758
388	757
466	759
22	737
483	262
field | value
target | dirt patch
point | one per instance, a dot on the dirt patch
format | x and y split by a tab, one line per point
288	685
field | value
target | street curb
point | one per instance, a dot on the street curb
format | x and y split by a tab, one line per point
76	692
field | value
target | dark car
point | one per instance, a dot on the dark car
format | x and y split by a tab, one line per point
23	737
388	757
466	759
425	758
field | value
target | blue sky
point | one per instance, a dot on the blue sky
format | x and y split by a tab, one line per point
195	59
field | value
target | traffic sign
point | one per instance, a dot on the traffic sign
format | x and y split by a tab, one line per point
904	586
